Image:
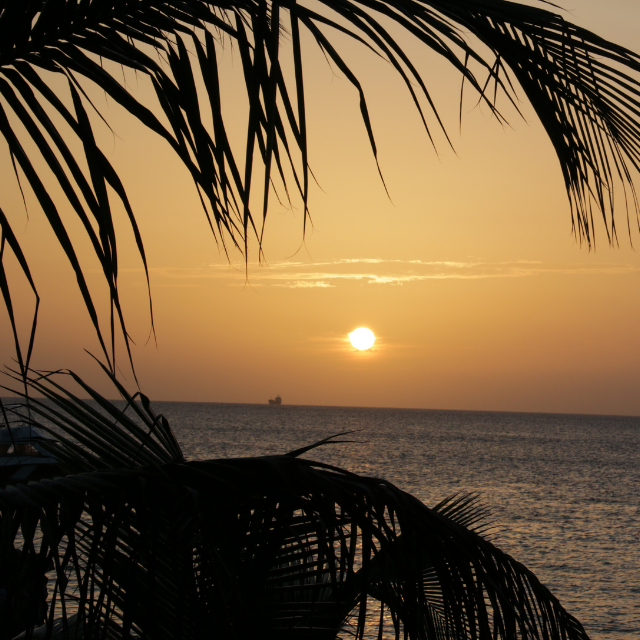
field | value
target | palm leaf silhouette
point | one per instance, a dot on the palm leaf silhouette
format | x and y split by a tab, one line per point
276	546
584	90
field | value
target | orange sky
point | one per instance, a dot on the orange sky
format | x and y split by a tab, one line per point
478	294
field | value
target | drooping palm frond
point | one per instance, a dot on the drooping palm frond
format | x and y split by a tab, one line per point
585	91
274	547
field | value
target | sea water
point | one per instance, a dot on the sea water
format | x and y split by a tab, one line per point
564	490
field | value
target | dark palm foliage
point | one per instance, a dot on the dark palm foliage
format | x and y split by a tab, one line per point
584	89
139	542
272	547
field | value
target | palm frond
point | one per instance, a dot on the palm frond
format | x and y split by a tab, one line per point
584	90
93	434
467	510
275	546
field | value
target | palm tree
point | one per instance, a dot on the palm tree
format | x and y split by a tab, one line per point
280	546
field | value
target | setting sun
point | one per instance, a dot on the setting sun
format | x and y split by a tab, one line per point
362	338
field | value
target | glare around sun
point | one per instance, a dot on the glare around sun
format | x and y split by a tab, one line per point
362	338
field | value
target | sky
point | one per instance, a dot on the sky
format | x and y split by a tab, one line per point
468	274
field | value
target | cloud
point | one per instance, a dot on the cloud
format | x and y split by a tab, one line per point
376	271
306	284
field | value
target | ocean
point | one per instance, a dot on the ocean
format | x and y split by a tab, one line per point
564	490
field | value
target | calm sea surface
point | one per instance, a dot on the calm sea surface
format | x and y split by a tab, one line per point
564	489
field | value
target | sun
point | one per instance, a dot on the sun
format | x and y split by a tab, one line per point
362	338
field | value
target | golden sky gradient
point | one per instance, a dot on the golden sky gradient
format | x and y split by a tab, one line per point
478	294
